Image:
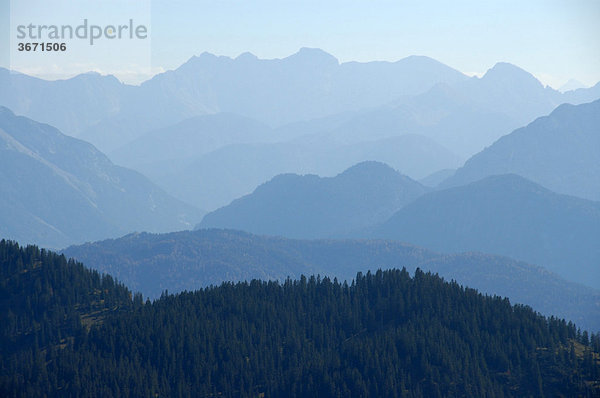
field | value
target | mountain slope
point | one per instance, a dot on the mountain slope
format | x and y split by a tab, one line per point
152	263
312	207
57	190
559	151
506	215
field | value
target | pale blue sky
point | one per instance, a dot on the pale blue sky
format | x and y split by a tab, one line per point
554	40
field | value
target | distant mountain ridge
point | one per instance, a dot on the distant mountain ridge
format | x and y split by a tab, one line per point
312	207
56	190
307	85
507	215
187	260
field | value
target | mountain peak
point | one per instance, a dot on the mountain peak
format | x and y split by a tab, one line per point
206	55
504	72
313	56
246	56
204	60
92	76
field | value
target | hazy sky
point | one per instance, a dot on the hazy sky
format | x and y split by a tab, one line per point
554	40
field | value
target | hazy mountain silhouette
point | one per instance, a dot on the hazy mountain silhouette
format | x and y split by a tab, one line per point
307	85
152	263
221	176
506	215
57	190
159	150
312	207
559	151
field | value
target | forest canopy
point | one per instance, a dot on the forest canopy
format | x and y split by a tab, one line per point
69	331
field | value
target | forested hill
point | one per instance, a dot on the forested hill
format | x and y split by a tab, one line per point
385	334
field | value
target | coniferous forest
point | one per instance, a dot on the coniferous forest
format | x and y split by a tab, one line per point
69	331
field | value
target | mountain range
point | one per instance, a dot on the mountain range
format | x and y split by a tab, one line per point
328	185
303	86
416	134
189	260
308	85
213	129
207	134
56	190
